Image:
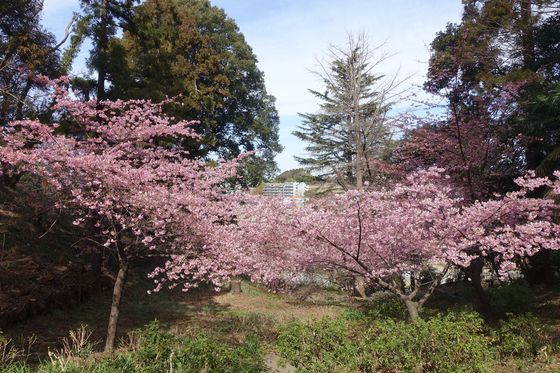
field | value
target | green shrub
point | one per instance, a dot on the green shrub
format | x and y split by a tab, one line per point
386	307
452	343
159	351
319	346
204	354
517	297
522	336
353	314
155	351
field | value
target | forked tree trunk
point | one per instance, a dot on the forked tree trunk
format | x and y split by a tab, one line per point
412	308
115	306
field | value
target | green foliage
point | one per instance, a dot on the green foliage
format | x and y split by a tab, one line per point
386	307
192	49
25	46
516	297
523	336
158	351
353	314
452	343
17	368
320	346
154	351
350	132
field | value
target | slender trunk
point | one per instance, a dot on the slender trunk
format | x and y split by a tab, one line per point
235	287
102	50
21	100
360	286
359	167
101	83
4	109
412	308
527	34
115	305
358	141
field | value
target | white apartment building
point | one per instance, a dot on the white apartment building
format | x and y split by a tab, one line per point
293	190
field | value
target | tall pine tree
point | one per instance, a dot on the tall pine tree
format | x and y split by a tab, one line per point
349	137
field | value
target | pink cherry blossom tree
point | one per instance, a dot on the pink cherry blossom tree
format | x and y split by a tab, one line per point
470	136
122	173
402	239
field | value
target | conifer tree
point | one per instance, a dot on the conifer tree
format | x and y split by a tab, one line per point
349	136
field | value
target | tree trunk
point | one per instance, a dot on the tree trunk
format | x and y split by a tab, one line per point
235	286
527	34
102	49
474	271
412	308
22	98
360	286
115	306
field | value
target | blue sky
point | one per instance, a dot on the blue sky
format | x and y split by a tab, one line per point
288	36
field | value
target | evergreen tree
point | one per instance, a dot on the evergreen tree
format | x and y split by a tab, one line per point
26	49
192	49
100	20
349	136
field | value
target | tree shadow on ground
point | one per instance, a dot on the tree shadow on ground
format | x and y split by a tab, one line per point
174	309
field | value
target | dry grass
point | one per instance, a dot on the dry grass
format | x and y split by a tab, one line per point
282	308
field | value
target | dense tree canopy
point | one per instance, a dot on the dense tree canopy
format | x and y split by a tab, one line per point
137	195
26	49
501	54
192	49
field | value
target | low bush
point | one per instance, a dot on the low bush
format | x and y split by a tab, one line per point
158	351
452	343
386	307
152	351
318	346
383	307
516	297
523	336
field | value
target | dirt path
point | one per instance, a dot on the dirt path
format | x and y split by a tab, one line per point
274	365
